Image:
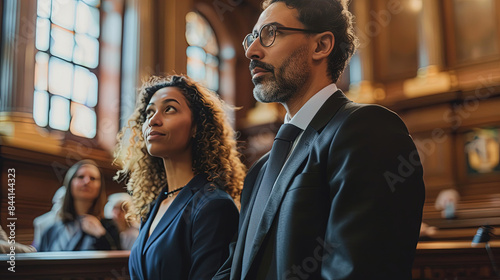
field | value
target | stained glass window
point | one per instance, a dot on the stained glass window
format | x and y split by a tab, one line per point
203	51
66	89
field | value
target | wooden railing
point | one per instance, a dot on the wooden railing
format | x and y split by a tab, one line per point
455	260
66	265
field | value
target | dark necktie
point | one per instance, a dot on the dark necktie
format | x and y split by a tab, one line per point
279	152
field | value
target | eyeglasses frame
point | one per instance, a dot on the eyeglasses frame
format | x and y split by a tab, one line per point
276	28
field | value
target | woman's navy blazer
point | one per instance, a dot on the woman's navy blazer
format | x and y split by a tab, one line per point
191	240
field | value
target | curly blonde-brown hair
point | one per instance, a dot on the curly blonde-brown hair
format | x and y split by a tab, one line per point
214	145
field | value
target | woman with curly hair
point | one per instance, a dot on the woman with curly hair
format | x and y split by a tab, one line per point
179	152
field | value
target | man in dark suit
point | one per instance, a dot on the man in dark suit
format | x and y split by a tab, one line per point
347	201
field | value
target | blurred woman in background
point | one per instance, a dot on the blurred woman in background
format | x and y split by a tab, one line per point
82	226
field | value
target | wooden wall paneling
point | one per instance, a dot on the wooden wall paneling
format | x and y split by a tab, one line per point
436	155
479	79
479	43
449	34
429	118
474	112
390	93
432	132
394	27
171	44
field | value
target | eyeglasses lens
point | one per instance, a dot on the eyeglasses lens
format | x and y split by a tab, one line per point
248	40
267	35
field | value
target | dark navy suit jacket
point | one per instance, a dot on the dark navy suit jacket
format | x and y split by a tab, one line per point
346	206
191	240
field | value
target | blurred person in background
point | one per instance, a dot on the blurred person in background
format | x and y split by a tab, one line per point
118	209
43	222
82	225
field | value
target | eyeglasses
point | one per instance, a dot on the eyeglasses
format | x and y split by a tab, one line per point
267	34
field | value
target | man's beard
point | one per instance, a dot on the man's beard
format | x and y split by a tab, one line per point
285	82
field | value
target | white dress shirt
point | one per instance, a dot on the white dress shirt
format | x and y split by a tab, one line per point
307	112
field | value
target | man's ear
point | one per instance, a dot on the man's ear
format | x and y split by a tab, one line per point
324	44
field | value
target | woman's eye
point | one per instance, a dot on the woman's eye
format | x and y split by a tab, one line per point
149	113
169	109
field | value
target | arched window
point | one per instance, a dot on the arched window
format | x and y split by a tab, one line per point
67	58
202	52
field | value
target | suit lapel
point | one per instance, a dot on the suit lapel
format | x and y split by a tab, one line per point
252	184
144	231
300	153
329	110
177	205
279	189
76	239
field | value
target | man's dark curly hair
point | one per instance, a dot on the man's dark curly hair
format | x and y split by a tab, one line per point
328	15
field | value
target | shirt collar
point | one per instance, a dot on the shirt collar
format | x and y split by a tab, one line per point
307	112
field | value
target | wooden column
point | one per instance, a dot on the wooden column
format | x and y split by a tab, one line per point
431	36
363	91
430	78
17	127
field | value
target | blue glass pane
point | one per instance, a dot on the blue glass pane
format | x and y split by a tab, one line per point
93	89
196	63
63	13
43	8
200	33
42	34
195	30
80	86
60	77
355	74
87	20
86	51
41	71
85	87
196	69
83	121
62	43
228	53
212	78
59	116
41	108
212	61
196	53
95	3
